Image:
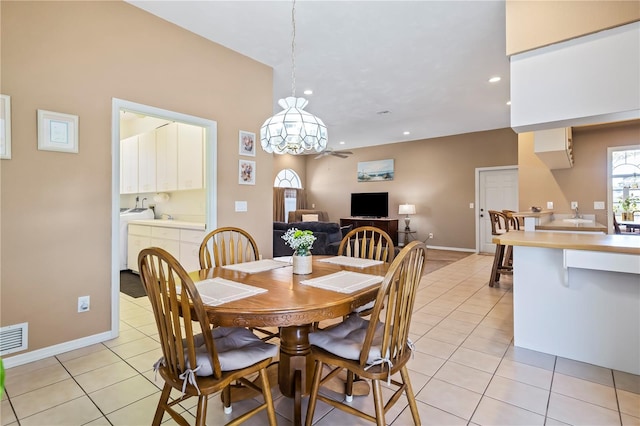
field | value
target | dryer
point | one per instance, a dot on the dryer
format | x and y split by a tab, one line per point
127	216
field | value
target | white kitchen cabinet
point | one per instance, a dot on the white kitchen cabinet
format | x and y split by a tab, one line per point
147	162
554	147
166	157
190	157
129	165
138	238
170	158
181	239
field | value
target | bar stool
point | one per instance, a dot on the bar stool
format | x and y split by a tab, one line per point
502	260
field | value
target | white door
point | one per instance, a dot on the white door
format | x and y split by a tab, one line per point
497	190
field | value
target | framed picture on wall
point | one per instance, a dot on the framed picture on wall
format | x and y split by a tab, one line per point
247	172
57	131
372	171
5	127
247	142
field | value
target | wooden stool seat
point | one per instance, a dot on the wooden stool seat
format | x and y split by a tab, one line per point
503	258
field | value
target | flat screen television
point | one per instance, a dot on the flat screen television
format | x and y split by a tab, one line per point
370	204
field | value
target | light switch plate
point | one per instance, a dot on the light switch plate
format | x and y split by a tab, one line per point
470	205
241	206
550	205
598	205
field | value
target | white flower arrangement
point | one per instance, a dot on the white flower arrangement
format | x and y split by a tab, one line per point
300	241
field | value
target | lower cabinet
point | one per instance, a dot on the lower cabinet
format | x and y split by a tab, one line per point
182	243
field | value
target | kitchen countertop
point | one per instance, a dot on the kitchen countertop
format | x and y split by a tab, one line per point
561	225
169	223
612	243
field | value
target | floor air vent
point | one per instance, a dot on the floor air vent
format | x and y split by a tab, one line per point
13	338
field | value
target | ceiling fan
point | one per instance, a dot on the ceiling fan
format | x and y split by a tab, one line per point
329	151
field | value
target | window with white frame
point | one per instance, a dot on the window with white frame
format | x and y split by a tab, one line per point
287	178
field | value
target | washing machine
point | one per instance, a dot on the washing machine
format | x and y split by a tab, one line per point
126	216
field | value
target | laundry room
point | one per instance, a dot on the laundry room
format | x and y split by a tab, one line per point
162	187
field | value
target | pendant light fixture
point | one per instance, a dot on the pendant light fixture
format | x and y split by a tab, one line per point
293	130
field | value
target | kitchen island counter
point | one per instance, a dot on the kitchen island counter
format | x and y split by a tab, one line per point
613	243
577	295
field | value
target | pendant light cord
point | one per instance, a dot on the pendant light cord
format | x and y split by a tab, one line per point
293	50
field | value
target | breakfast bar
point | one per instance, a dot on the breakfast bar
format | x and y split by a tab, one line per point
577	295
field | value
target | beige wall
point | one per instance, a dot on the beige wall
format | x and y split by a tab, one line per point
437	175
585	182
74	57
531	24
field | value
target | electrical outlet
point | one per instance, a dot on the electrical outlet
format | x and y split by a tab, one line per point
84	303
549	205
430	235
574	205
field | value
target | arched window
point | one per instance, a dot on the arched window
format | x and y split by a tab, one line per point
288	179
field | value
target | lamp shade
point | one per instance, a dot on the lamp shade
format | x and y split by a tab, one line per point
407	209
293	130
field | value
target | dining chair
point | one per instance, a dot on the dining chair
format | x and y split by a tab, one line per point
197	360
229	246
503	257
367	242
375	348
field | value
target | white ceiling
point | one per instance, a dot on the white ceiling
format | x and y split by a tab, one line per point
426	62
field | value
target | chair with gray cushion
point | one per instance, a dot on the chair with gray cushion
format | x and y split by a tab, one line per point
377	348
196	360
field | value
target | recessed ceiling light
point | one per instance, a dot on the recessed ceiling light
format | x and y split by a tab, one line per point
308	92
406	133
509	103
341	142
494	79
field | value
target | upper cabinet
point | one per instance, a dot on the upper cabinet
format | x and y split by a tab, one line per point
169	158
129	165
554	147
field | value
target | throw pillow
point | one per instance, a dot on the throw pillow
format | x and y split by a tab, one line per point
309	217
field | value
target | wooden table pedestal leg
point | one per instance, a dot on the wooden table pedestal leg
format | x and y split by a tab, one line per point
295	373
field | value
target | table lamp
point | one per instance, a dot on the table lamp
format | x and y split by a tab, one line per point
407	209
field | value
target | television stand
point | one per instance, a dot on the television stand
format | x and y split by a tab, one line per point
390	226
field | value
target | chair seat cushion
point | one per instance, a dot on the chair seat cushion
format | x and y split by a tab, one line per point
346	339
237	348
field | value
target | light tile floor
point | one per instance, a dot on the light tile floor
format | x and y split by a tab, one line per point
465	371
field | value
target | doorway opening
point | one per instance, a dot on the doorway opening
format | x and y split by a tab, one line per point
156	115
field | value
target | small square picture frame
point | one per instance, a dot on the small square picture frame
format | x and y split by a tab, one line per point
57	132
247	143
246	172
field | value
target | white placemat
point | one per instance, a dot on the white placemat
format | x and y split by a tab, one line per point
344	281
356	262
216	291
256	266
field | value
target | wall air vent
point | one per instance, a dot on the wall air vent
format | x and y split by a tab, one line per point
13	338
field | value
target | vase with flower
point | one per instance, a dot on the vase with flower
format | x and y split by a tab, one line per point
301	242
629	206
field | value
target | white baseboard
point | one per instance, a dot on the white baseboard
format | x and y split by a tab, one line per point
467	250
54	350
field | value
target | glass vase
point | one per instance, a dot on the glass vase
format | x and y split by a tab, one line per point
302	264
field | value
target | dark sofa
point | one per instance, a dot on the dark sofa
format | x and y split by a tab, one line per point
328	236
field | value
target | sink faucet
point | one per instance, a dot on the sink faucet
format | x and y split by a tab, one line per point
576	215
143	200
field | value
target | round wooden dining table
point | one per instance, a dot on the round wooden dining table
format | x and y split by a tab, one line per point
293	308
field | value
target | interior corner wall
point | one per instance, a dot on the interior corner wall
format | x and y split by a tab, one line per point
74	58
437	175
585	182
